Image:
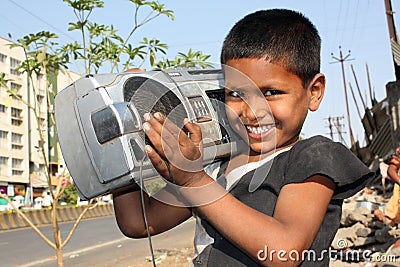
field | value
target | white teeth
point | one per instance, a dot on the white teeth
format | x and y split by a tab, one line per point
259	130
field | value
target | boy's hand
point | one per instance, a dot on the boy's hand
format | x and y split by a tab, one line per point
175	155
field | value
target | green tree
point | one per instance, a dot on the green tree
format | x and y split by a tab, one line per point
101	47
43	58
190	60
70	194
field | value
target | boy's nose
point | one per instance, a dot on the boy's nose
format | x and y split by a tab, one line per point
253	110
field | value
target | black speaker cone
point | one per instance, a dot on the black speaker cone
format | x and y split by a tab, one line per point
150	96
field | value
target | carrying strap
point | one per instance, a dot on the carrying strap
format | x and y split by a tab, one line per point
221	179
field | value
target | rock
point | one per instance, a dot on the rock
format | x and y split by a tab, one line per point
376	225
382	235
364	232
363	241
355	217
341	243
357	226
348	233
395	232
345	213
365	211
361	231
372	198
381	247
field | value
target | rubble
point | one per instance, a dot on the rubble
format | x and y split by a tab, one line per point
369	241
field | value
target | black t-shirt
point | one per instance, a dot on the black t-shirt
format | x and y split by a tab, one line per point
316	155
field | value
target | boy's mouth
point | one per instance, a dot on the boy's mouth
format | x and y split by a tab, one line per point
259	130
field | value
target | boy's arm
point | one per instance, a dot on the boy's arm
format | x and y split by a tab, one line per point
393	169
298	215
393	173
299	211
160	216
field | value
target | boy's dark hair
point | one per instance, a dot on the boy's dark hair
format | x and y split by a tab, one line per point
280	36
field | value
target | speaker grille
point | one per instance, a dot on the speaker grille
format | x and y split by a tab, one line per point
150	96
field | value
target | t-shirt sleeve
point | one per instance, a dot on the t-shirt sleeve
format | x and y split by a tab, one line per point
320	155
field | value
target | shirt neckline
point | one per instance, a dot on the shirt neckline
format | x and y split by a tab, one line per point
237	173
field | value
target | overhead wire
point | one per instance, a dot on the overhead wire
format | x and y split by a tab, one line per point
42	20
338	22
346	15
75	63
2	17
355	21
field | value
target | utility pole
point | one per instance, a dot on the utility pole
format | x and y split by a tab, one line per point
393	36
336	125
339	126
330	126
342	59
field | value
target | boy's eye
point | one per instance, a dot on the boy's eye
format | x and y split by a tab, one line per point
271	92
236	94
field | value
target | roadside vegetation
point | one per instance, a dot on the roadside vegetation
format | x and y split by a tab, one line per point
100	49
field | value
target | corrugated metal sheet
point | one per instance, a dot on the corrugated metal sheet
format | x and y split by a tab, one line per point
395	51
381	145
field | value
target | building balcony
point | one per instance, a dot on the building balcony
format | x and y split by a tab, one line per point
38	179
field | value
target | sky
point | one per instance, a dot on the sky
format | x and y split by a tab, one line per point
358	26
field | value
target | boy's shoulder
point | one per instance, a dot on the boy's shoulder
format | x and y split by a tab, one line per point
316	139
320	155
320	150
315	146
318	142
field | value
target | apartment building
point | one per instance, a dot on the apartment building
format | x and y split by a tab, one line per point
24	130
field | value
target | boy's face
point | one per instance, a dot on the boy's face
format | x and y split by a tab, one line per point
269	111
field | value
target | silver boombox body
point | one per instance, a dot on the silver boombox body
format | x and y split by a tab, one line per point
99	123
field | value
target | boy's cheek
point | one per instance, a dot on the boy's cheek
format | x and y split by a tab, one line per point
237	126
232	115
282	112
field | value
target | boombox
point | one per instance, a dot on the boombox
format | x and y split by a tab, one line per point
99	123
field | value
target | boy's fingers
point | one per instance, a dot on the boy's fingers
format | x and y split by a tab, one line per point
154	123
159	116
168	124
164	140
162	124
135	70
156	160
171	134
195	132
153	132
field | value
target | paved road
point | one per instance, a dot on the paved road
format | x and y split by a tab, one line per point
96	242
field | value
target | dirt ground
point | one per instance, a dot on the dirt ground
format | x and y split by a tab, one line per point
167	258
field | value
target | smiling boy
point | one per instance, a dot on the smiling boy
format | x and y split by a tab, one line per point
271	64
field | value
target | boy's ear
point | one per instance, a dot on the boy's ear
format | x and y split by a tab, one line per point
317	90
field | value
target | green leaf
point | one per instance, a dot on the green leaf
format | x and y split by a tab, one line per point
41	56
